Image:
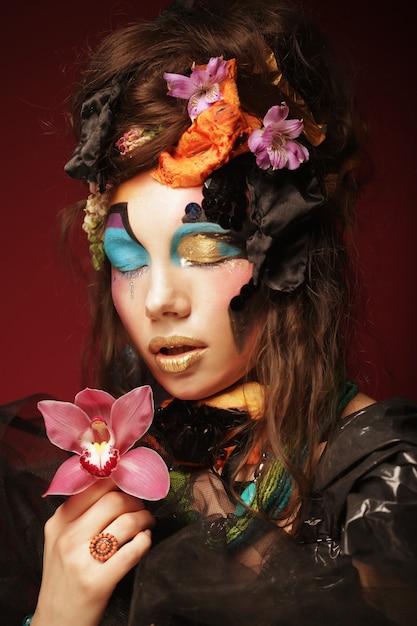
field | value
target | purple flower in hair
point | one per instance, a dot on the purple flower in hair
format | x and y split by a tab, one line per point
274	144
201	88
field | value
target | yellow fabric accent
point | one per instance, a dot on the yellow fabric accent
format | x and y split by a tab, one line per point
248	397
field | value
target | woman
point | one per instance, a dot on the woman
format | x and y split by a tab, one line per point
220	144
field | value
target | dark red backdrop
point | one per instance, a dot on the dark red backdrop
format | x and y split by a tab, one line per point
42	310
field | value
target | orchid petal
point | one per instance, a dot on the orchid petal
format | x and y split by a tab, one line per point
197	105
70	478
201	88
95	402
299	151
263	159
64	422
278	158
276	114
142	473
217	70
273	145
297	154
131	417
291	128
179	86
199	78
256	141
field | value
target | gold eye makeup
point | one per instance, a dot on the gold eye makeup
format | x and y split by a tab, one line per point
203	244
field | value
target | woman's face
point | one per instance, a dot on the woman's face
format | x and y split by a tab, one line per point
172	288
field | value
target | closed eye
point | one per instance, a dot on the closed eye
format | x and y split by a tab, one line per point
125	254
207	249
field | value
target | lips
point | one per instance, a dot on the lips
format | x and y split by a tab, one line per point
176	354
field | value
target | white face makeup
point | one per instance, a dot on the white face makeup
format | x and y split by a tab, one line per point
172	289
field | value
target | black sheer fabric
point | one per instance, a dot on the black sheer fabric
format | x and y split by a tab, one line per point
364	506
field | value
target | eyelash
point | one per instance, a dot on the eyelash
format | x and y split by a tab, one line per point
188	263
138	271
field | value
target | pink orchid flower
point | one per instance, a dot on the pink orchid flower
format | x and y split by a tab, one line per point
274	144
201	88
101	430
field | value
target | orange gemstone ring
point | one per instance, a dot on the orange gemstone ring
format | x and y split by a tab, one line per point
103	546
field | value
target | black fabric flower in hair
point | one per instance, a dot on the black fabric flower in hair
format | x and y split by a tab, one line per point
271	211
86	163
281	203
225	199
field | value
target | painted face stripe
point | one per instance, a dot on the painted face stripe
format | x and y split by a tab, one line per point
114	221
120	245
120	209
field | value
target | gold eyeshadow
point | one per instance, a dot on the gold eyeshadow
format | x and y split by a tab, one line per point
204	249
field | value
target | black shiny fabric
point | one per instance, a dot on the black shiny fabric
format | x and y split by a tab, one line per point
363	506
283	203
277	226
88	162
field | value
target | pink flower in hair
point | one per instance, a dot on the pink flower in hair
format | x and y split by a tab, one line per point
201	88
101	432
274	144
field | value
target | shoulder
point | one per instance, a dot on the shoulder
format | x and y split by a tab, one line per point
369	433
359	402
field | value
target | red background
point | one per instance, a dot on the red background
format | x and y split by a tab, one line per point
43	311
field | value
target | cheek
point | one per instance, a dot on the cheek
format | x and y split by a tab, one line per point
118	289
122	291
237	274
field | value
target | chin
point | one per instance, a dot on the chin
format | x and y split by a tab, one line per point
186	389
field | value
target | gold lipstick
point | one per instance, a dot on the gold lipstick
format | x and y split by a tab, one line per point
176	354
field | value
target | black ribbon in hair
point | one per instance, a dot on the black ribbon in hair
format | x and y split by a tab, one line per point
271	211
281	204
89	158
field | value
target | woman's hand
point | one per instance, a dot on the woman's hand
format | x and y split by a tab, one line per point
75	586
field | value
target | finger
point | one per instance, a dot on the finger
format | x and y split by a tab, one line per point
101	511
77	504
103	546
128	555
128	525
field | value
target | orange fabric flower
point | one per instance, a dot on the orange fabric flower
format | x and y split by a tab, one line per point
218	134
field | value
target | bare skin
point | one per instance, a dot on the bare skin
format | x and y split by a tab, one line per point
76	587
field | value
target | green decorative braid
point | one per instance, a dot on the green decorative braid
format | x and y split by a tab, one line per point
180	493
274	490
272	494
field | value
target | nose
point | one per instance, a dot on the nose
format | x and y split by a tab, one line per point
167	294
